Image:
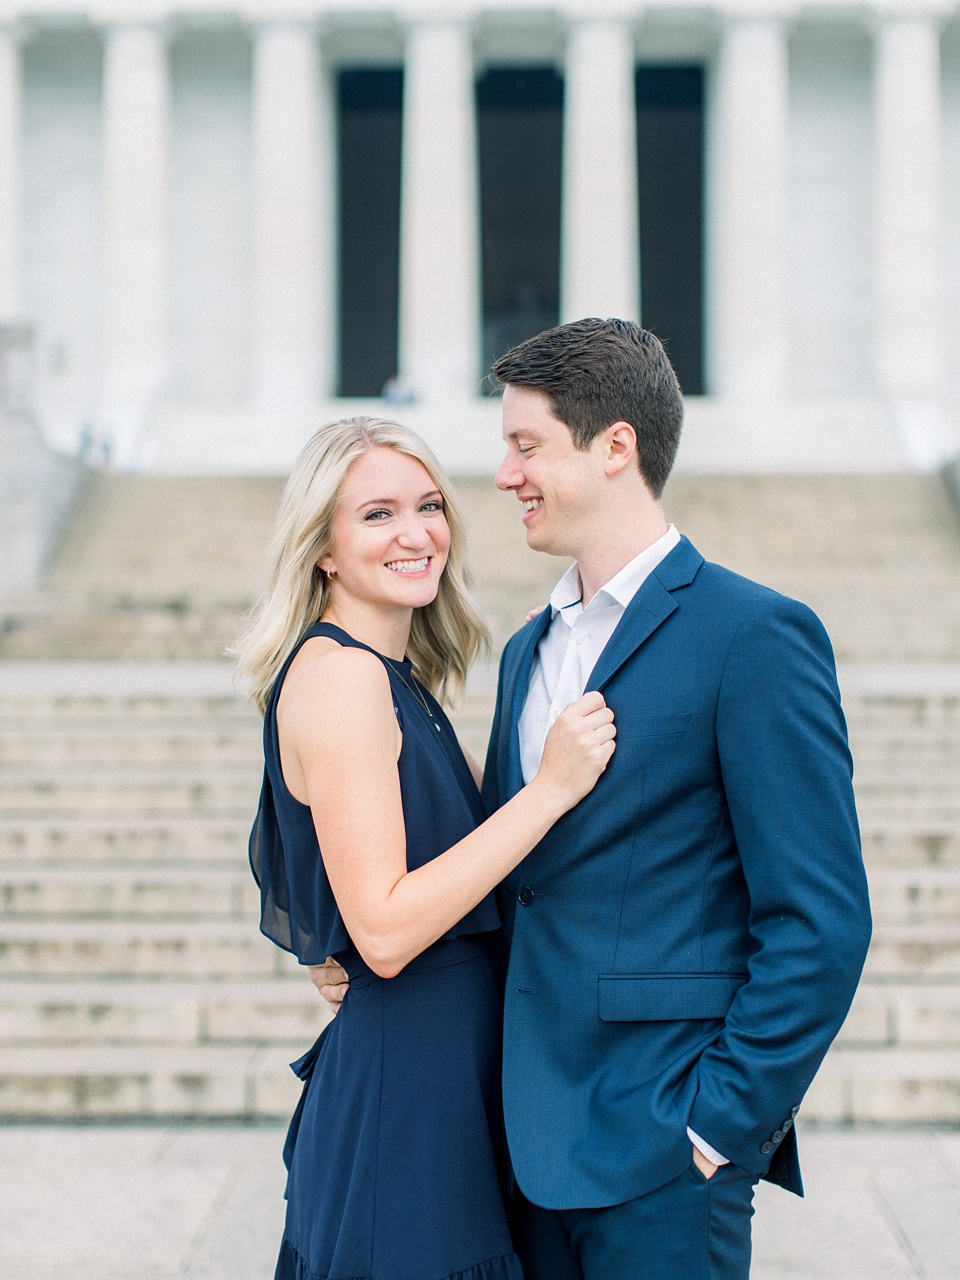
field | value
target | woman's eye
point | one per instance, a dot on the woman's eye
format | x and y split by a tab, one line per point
435	504
377	515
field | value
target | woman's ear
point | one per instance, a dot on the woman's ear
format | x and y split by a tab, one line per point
621	447
325	565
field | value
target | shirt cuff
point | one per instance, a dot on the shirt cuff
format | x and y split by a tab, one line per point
705	1148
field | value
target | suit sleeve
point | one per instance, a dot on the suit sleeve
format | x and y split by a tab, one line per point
787	776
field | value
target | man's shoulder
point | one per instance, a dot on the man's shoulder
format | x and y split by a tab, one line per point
739	610
740	597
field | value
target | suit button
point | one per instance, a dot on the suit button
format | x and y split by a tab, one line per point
526	896
793	1112
766	1148
787	1125
778	1136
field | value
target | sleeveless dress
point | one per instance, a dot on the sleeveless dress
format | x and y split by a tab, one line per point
396	1156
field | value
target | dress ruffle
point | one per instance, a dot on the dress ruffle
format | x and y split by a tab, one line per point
290	1266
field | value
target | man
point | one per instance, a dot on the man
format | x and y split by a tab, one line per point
684	945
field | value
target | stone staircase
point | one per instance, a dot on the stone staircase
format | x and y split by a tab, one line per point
133	980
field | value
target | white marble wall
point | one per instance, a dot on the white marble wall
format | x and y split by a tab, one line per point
61	228
831	219
806	280
211	277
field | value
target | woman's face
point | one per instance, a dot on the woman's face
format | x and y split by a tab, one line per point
390	534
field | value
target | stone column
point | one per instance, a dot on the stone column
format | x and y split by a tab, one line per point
292	273
11	301
135	128
748	216
907	228
439	241
600	271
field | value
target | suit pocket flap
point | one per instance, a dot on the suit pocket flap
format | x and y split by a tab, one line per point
638	997
660	726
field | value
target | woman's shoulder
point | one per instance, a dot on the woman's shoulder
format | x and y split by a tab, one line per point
335	677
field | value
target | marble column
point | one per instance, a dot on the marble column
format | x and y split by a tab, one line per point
907	228
600	272
747	305
293	274
135	129
11	301
439	240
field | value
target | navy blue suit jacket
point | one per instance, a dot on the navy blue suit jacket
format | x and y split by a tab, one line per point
685	943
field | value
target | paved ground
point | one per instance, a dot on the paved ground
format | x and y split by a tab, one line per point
206	1203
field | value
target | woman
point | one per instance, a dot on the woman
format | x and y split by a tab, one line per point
370	845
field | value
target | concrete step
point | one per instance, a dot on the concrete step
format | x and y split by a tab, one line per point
907	844
184	891
124	1082
197	743
915	895
192	890
909	747
889	1085
121	690
125	838
144	793
139	949
255	1011
891	695
901	951
914	1015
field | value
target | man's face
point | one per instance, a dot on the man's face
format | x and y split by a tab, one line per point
558	484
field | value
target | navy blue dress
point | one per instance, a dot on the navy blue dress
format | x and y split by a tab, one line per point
395	1154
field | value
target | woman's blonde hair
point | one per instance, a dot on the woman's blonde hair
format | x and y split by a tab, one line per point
445	635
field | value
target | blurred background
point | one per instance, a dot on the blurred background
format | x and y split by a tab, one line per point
222	224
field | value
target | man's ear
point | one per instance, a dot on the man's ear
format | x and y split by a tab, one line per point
620	447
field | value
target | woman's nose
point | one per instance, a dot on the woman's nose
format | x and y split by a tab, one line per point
414	534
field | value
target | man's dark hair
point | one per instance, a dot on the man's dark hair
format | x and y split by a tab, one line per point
597	372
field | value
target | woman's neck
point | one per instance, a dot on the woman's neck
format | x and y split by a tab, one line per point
386	630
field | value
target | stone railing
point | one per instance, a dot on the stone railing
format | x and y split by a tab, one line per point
37	485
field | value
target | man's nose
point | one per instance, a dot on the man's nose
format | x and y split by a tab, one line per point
509	475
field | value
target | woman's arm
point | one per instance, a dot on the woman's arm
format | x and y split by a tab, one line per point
339	737
474	766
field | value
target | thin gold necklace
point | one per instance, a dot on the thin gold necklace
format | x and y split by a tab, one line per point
415	691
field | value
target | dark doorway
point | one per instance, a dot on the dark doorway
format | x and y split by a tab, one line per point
368	148
670	135
520	128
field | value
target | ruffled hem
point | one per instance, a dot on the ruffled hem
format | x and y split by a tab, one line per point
291	1266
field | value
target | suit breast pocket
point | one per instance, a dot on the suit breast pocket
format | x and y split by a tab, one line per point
671	726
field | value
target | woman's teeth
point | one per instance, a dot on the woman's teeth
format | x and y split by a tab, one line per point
409	566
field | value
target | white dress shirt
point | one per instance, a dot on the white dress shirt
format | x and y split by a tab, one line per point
566	655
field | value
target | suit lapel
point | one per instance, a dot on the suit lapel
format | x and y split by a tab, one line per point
515	694
651	606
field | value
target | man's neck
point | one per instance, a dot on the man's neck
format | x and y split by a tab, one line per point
604	555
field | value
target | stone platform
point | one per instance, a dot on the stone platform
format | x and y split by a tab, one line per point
202	1203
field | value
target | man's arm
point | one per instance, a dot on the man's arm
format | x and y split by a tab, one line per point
788	782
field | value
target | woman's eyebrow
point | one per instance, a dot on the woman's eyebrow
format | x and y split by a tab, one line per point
390	502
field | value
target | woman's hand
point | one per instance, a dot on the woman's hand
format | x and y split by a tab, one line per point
578	749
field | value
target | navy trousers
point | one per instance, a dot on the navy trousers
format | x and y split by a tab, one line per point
689	1229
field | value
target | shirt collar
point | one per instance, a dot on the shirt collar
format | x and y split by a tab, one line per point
624	585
